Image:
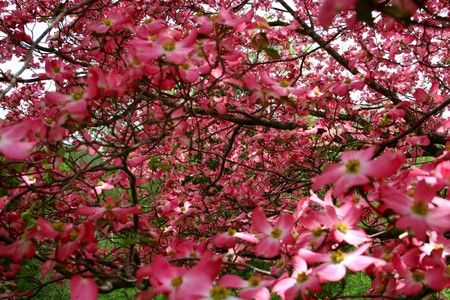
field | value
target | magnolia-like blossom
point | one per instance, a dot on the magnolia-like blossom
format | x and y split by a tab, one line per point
180	283
229	239
335	263
253	289
108	210
272	236
343	228
20	249
83	288
166	43
356	169
330	8
420	212
301	281
14	143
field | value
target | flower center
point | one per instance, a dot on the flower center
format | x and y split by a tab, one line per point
420	208
219	292
109	205
317	231
177	281
77	95
58	226
352	166
284	83
418	276
254	281
342	227
276	233
231	232
108	22
302	277
168	45
337	257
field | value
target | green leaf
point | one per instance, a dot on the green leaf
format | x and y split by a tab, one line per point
272	53
364	12
260	41
213	163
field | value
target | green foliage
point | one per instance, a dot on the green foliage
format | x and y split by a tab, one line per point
353	285
29	280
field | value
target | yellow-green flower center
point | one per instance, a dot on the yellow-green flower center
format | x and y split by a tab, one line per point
168	45
254	281
284	83
219	292
109	205
418	276
108	22
73	235
77	95
337	256
231	232
420	208
317	231
276	233
352	166
342	227
58	226
302	277
177	281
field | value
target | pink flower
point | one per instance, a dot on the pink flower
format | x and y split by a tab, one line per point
228	239
272	236
83	288
180	283
335	263
103	186
356	168
421	96
302	280
20	249
253	288
175	51
74	105
419	212
13	141
109	210
343	228
330	8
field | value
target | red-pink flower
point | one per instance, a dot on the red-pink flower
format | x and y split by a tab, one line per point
330	8
180	283
83	288
335	263
14	143
228	239
74	105
166	43
108	210
356	169
343	227
301	281
20	249
272	236
420	212
253	289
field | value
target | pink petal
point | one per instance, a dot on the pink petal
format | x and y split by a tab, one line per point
331	272
232	281
83	288
268	247
260	222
